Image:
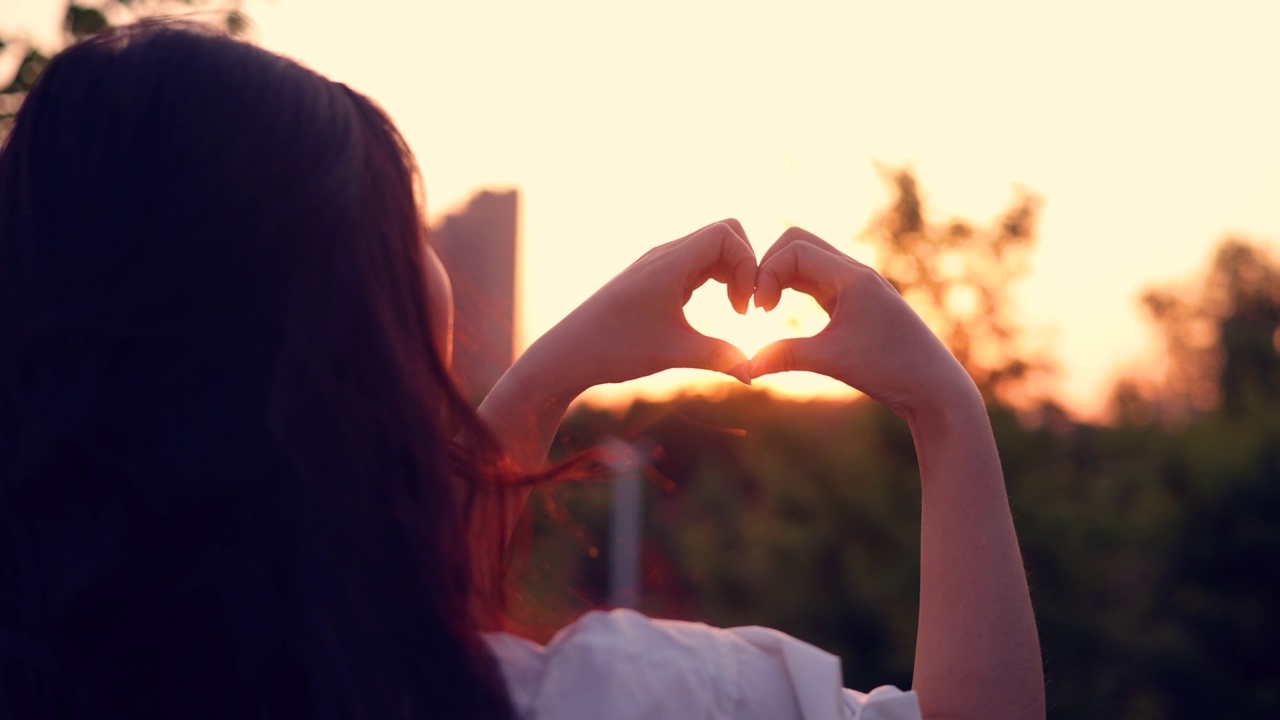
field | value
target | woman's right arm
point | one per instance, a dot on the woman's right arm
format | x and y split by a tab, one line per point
977	650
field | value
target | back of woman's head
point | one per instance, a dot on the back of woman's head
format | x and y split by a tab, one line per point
223	454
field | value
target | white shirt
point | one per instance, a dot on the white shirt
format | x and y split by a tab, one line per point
622	665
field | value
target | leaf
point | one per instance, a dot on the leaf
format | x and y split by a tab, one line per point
28	70
82	22
237	23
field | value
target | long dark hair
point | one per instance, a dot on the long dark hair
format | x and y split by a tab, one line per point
227	481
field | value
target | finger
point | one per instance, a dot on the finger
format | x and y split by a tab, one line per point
795	234
696	350
673	244
785	356
741	285
720	251
734	225
803	267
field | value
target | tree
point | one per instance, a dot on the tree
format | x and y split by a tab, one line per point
1221	338
959	276
83	19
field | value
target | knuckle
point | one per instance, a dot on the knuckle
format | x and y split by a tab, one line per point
727	230
719	357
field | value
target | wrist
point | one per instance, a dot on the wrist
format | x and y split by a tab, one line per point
546	377
526	406
942	396
943	420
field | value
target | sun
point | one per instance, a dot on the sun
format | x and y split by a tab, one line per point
710	313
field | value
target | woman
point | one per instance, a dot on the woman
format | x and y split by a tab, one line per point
229	485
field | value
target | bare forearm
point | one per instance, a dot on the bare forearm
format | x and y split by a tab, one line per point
524	422
977	651
524	410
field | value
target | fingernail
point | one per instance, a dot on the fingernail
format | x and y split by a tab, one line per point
756	368
742	371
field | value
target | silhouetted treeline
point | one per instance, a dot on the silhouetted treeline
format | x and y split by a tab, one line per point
1153	553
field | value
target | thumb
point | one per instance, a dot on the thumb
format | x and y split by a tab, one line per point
708	353
783	356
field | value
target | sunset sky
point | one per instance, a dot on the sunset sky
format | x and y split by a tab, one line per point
1149	129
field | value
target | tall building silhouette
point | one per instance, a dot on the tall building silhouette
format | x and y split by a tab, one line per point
478	248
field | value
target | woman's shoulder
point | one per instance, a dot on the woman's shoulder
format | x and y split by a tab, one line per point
622	664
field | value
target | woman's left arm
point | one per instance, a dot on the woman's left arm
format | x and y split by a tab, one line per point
632	327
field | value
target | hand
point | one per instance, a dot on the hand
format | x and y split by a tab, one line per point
875	342
977	650
635	326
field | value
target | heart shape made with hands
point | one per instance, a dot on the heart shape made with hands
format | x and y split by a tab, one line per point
796	315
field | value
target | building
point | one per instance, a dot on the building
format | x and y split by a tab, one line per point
478	248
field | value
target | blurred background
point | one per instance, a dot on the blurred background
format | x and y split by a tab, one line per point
1081	200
